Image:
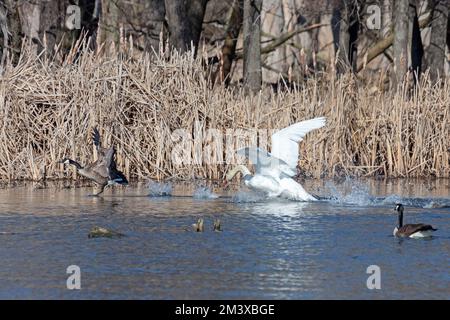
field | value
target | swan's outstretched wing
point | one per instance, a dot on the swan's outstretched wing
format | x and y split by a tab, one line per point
264	162
285	142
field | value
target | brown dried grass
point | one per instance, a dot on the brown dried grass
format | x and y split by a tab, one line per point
48	109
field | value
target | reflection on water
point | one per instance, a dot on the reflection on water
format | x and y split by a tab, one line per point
268	249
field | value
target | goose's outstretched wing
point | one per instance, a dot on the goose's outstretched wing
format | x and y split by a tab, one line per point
101	152
285	142
103	165
96	138
113	174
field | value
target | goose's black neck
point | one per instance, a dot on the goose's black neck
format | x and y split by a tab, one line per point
74	163
400	218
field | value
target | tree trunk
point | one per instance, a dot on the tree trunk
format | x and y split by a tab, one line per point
52	24
89	18
344	39
384	44
386	18
416	43
109	33
345	32
231	36
353	30
11	32
436	50
185	20
252	45
155	11
196	13
401	26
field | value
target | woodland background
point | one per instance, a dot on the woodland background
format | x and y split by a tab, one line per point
141	69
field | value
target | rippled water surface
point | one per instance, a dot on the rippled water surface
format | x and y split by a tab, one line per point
267	250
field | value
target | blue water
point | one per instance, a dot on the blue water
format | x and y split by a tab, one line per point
267	250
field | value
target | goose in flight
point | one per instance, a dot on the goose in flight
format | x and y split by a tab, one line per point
418	230
274	171
103	171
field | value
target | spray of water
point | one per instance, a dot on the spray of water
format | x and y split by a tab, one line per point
204	193
350	192
159	189
355	192
247	197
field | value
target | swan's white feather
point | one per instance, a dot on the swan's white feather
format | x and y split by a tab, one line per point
274	170
264	162
294	191
285	142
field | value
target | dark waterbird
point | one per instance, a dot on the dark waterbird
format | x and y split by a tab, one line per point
418	230
103	171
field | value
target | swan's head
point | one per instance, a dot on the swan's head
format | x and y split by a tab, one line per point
230	175
240	168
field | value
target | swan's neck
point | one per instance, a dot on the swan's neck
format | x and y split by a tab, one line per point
240	168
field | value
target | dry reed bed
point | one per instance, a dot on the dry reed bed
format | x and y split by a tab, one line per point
47	111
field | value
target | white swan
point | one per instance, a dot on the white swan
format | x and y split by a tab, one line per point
274	171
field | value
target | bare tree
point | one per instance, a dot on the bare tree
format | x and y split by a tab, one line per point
341	21
416	41
234	24
345	27
11	31
155	11
401	25
109	33
252	45
185	20
436	50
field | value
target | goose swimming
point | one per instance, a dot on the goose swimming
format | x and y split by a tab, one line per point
103	171
419	230
274	171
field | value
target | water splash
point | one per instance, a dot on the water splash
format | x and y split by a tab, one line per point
425	203
159	189
247	197
354	192
350	192
204	193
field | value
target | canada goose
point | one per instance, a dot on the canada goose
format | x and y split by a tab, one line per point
198	227
103	171
217	226
419	230
274	171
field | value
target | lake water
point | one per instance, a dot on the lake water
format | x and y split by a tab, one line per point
267	250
